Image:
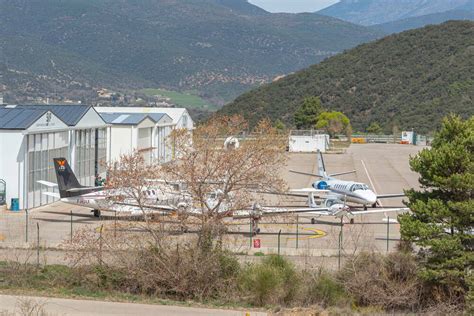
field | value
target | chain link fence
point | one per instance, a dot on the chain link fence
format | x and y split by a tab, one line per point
50	230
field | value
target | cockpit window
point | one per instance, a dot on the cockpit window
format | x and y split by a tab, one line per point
359	186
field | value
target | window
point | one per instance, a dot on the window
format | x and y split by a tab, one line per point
185	121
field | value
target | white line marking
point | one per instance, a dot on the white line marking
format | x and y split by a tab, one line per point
370	180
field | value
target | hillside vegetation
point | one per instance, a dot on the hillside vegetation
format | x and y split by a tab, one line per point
407	80
218	47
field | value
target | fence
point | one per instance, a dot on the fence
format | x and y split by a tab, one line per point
45	230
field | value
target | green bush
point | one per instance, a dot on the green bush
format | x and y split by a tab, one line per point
273	281
324	289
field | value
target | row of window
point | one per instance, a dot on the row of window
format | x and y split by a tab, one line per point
353	187
89	159
42	148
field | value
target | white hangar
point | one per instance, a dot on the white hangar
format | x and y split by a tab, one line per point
32	135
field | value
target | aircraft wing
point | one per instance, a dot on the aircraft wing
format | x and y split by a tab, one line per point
388	196
146	207
47	183
52	194
307	191
84	189
270	211
380	210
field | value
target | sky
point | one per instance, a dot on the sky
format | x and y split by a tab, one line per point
293	6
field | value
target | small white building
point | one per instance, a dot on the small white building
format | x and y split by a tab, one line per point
180	116
146	129
146	133
308	141
32	135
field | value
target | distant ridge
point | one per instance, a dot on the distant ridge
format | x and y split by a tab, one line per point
371	12
217	48
420	21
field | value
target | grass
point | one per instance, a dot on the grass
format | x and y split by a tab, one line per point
186	98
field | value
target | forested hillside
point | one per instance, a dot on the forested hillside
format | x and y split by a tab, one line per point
407	80
217	47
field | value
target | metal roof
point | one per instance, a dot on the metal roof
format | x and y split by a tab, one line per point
174	113
19	118
129	118
69	114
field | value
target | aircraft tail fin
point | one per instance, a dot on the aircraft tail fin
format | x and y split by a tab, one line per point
321	167
66	178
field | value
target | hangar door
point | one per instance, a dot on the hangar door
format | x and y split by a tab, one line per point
42	148
144	143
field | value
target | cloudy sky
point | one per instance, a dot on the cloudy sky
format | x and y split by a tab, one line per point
292	5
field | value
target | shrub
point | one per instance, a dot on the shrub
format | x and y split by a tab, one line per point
324	289
273	281
390	282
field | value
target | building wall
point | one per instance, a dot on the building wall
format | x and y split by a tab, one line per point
120	141
12	163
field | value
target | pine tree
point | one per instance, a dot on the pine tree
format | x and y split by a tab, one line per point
306	115
442	212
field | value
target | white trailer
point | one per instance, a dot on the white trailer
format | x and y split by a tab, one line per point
308	141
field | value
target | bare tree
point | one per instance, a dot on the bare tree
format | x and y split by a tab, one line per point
222	180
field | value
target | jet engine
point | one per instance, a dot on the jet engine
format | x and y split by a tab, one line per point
320	185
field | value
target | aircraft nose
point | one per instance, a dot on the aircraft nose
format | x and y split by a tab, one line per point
371	197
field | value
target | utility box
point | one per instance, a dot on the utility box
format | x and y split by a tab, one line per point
408	137
308	141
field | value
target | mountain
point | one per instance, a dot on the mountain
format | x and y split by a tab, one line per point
371	12
420	21
218	48
409	80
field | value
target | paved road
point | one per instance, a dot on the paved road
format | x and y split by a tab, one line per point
57	306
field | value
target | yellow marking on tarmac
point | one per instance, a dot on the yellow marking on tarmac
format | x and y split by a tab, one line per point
2	237
317	234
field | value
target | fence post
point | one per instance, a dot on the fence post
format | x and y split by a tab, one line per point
279	235
388	232
26	214
100	244
340	245
37	245
297	230
251	232
71	225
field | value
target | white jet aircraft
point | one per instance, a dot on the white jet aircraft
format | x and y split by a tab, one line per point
341	191
97	198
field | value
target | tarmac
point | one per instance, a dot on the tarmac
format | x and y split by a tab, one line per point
384	167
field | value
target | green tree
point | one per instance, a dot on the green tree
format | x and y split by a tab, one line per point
442	212
334	123
279	125
306	115
374	128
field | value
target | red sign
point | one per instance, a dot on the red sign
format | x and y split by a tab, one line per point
256	243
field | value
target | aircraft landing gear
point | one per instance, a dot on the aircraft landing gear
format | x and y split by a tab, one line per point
313	221
365	207
255	228
96	213
374	205
351	221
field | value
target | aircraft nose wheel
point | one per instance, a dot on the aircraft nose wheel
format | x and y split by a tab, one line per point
96	213
313	221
